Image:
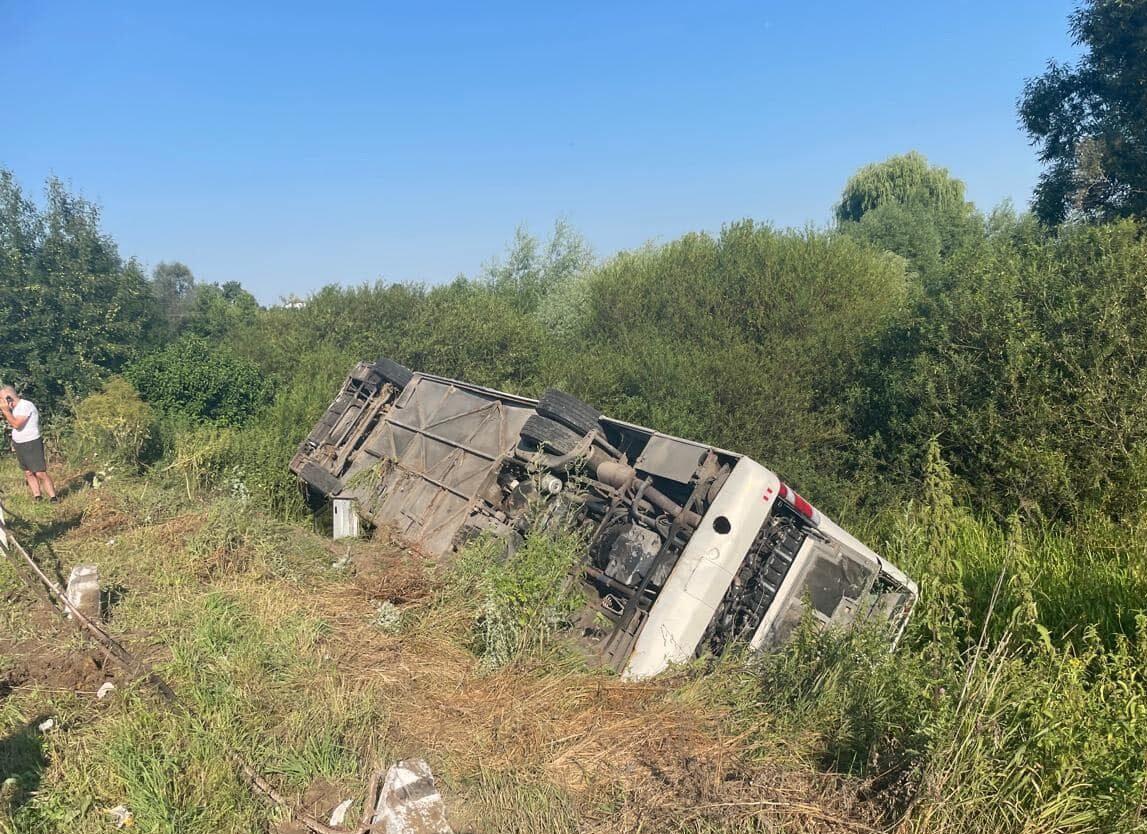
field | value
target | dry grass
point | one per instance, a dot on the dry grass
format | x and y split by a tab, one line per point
626	756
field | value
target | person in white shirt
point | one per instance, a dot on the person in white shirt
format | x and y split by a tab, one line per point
24	418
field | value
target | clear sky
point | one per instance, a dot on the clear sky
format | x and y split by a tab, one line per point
289	145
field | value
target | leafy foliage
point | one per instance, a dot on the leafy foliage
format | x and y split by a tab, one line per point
1026	366
522	599
743	340
110	427
208	310
906	206
216	310
906	180
1090	119
72	310
532	273
201	381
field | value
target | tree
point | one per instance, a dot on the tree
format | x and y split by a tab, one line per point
906	206
215	311
1089	119
906	180
72	310
174	288
532	272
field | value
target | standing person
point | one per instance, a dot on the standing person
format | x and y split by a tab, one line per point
24	418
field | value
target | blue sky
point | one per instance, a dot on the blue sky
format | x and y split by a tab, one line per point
292	145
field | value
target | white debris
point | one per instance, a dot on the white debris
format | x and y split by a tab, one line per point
46	725
409	802
104	689
338	815
121	815
388	617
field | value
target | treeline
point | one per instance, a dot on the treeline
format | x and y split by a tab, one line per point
75	311
837	356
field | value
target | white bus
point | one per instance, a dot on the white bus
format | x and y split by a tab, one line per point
690	549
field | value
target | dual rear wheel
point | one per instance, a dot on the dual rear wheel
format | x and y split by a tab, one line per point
561	421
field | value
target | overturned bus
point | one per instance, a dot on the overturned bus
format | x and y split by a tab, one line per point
690	549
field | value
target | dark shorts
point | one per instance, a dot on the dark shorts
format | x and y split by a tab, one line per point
31	455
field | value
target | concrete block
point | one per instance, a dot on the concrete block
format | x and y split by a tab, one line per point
345	518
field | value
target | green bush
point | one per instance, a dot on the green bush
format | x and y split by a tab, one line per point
1026	366
199	380
745	340
109	428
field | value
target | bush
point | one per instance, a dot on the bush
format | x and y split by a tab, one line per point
746	341
1026	366
201	381
110	428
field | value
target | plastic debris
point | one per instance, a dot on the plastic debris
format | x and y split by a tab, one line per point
104	689
84	591
409	803
338	815
46	725
121	815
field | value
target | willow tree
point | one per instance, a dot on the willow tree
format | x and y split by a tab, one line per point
906	206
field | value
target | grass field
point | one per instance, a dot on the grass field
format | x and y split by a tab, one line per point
322	662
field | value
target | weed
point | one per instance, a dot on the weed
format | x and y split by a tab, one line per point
521	599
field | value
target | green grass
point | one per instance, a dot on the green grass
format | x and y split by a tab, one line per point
1027	715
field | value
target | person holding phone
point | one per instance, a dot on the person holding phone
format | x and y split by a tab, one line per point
24	418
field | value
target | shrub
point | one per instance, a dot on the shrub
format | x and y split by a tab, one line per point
110	428
745	340
201	381
1026	365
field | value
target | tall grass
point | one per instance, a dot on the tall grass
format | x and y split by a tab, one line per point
1017	701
